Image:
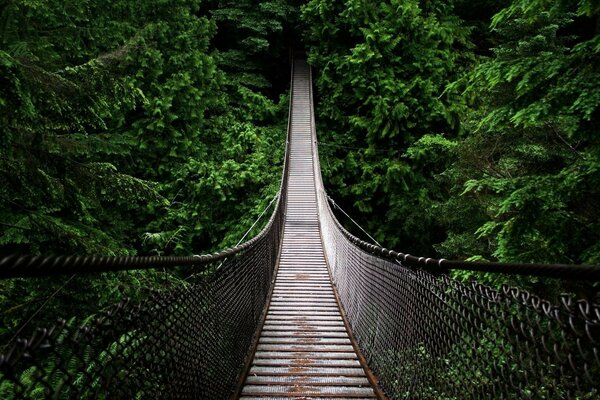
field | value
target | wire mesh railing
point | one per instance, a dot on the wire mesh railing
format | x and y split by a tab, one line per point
429	336
188	343
191	342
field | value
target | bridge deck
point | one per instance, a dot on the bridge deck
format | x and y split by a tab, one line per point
304	349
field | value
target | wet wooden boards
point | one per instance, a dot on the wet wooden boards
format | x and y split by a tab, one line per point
304	350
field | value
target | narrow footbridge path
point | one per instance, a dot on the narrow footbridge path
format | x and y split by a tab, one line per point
306	310
304	348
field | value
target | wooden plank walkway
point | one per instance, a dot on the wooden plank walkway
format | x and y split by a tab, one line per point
304	350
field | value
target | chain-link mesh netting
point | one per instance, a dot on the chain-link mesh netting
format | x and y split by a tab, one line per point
186	344
428	336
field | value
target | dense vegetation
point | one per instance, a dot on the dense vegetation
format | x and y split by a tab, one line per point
463	129
459	129
134	128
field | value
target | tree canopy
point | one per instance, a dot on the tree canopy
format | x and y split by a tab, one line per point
463	129
130	128
447	128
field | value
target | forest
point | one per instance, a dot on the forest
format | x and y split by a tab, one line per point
447	128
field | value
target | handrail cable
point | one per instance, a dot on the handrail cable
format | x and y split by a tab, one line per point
14	265
562	271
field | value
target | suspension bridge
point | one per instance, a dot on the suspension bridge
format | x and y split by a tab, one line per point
307	310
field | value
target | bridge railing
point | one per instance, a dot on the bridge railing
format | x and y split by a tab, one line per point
186	343
429	336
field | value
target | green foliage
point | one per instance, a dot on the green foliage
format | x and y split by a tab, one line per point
473	139
530	164
252	41
382	69
124	131
461	129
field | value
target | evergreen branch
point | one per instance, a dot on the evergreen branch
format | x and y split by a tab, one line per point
14	226
564	141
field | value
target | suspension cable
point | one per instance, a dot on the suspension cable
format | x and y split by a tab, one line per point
253	225
259	217
337	206
561	271
24	325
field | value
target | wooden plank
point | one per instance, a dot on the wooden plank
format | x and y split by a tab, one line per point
307	371
305	362
300	340
303	327
295	322
302	317
333	348
304	350
317	312
301	390
303	354
309	380
290	333
303	398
